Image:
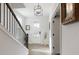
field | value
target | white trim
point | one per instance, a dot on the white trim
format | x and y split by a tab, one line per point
2	13
60	32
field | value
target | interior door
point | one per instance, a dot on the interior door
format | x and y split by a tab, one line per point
56	35
36	34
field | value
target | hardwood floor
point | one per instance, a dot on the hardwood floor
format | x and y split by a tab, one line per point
37	49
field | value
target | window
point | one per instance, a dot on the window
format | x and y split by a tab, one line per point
37	25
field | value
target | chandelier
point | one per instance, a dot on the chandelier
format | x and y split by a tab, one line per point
38	11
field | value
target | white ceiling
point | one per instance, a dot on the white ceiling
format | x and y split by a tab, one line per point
48	8
17	5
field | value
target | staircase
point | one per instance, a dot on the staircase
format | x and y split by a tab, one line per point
12	34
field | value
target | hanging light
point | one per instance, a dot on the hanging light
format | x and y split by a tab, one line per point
38	11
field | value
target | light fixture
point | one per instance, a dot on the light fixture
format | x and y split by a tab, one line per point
38	11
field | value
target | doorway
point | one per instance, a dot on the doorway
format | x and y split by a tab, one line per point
56	32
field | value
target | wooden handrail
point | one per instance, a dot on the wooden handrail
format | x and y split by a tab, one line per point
15	17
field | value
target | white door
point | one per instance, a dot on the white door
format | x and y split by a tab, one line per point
56	35
36	34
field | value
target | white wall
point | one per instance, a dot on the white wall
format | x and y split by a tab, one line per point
9	45
19	33
44	28
70	39
20	17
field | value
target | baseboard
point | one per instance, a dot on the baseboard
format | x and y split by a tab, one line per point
38	44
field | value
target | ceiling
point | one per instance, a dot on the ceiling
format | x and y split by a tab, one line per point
17	5
27	9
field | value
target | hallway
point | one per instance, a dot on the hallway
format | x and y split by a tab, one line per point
30	26
38	29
